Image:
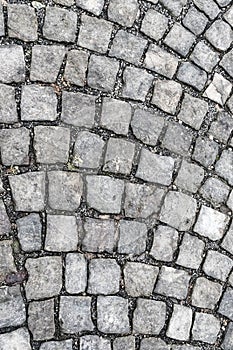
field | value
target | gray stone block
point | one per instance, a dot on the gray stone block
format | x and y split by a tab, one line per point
75	273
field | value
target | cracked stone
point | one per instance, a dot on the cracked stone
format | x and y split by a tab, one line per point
190	176
204	56
16	340
154	24
206	327
206	293
219	89
12	68
220	35
191	252
123	12
195	21
94	342
76	67
132	237
95	7
180	323
224	166
190	74
185	42
8	109
205	151
75	273
12	308
217	265
30	232
136	83
165	243
2	27
166	95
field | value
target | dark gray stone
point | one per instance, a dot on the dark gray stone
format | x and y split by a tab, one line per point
190	176
205	151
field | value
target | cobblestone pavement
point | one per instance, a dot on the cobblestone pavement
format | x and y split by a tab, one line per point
116	192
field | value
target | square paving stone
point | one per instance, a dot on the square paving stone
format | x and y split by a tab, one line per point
30	232
165	243
182	136
17	340
227	242
226	63
191	252
12	308
147	126
22	22
41	319
104	276
38	103
57	345
132	237
142	201
185	42
205	151
204	56
206	293
210	8
220	35
115	115
14	145
7	263
192	75
222	128
78	109
215	190
121	343
104	193
211	223
60	24
217	265
219	89
75	314
190	176
224	166
28	191
180	323
128	47
226	305
45	277
160	61
153	343
166	95
112	315
154	24
149	316
91	6
51	144
12	68
229	16
5	225
65	190
136	83
174	6
75	273
123	12
228	339
8	109
99	235
76	67
88	150
173	283
61	233
94	342
140	279
195	21
155	168
119	156
206	327
94	33
178	210
102	73
2	27
193	111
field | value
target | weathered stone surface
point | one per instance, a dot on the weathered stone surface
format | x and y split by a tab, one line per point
189	177
5	225
205	328
112	314
7	264
132	237
166	95
76	67
164	243
230	201
16	340
224	166
185	37
45	277
204	56
206	293
57	345
226	304
75	273
22	22
174	6
228	340
215	190
154	24
2	27
8	111
28	191
123	12
192	75
226	63
65	190
153	343
12	308
217	265
12	68
210	8
149	316
127	342
220	35
193	111
180	323
205	151
222	127
227	242
219	89
95	6
137	83
14	145
191	252
195	21
29	232
91	342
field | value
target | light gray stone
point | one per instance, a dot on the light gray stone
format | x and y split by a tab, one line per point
5	225
136	83
12	308
123	12
222	127
226	305
229	16
166	95
190	176
112	315
206	327
154	24
224	166
57	345
76	67
180	323
227	242
8	111
7	264
205	151
153	343
104	193
217	265
75	273
230	201
149	316
219	89
16	340
175	6
191	252
2	27
185	42
28	191
155	168
215	190
30	232
14	145
210	8
204	56
195	21
122	343
65	3
44	277
164	243
94	6
75	314
69	197
94	342
206	293
220	35
211	223
223	3
38	103
12	68
228	339
226	62
132	237
192	75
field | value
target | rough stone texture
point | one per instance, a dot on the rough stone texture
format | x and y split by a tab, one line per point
230	201
71	187
228	240
222	127
225	307
172	282
91	342
22	22
149	316
191	252
76	67
38	103
132	237
2	27
29	232
209	7
14	145
123	12
193	111
220	35
224	166
166	95
104	193
215	191
217	265
91	28
51	144
127	342
228	341
8	111
205	151
137	83
154	24
190	74
7	263
12	308
45	277
95	6
195	21
16	340
57	345
75	314
112	315
204	56
185	37
226	63
219	89
75	273
174	6
12	69
147	126
189	177
140	279
178	210
180	323
211	223
153	343
5	225
182	136
46	62
229	16
104	276
28	191
164	243
41	319
205	328
206	294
